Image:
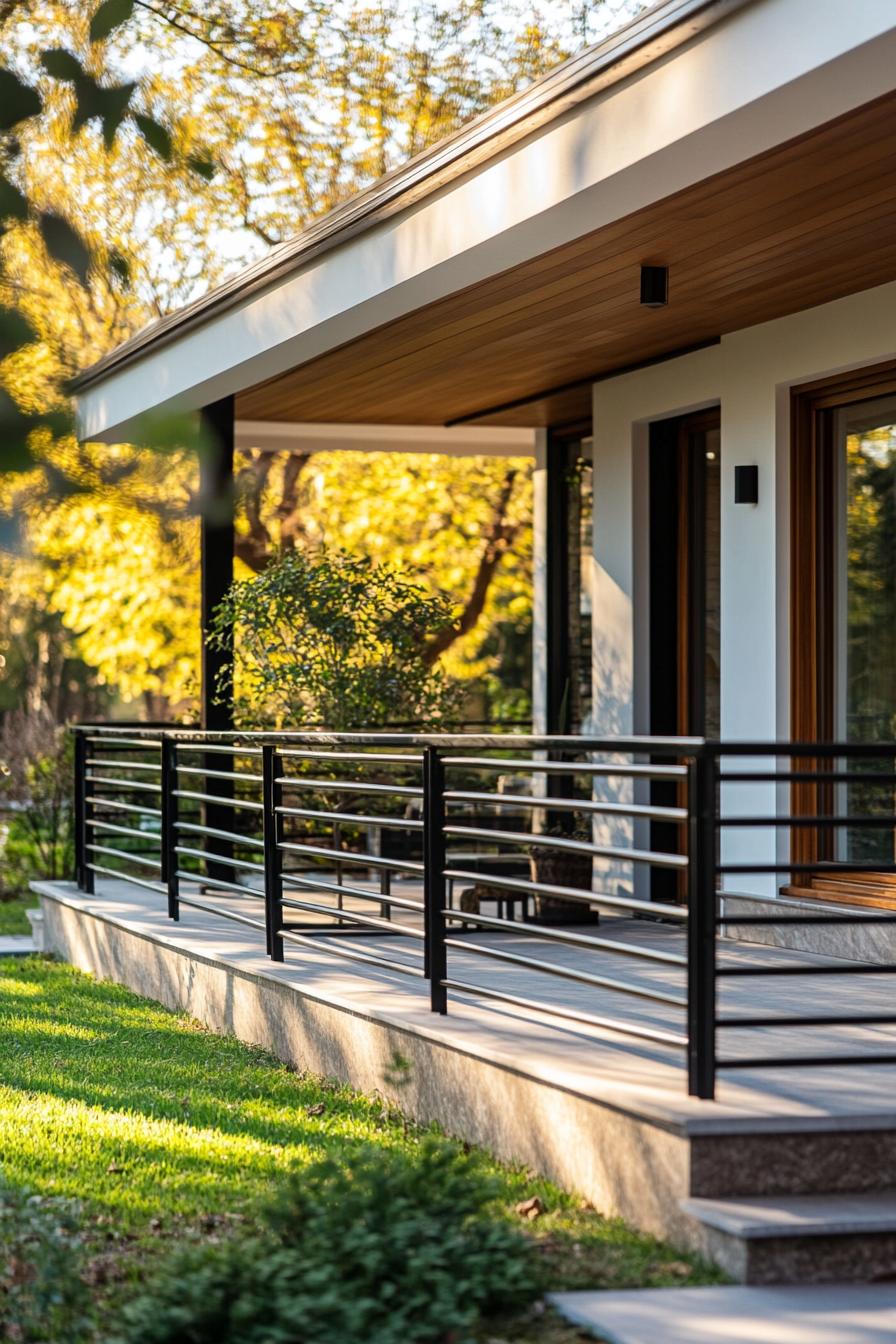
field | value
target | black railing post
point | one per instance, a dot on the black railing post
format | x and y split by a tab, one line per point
169	825
434	951
272	795
702	925
80	818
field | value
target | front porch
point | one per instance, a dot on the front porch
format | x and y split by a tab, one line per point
466	924
785	1176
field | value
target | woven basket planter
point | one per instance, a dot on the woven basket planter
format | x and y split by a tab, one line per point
561	868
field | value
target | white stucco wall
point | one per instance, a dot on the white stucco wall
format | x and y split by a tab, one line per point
750	375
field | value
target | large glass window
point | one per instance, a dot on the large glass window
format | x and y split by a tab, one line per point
865	586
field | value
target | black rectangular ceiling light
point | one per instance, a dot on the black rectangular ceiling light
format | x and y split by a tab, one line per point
654	286
746	485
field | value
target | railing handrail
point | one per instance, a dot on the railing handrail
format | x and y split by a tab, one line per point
678	746
640	743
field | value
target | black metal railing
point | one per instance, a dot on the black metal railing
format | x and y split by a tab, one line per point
540	874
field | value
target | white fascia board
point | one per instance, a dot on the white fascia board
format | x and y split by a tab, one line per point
769	72
462	441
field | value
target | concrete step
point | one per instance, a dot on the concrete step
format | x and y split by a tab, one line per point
17	945
833	1314
800	1238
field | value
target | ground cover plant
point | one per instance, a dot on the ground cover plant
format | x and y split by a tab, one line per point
174	1141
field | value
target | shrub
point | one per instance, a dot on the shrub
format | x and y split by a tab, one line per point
324	639
37	838
394	1249
42	1294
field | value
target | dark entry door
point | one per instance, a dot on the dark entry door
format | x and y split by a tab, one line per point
685	605
685	600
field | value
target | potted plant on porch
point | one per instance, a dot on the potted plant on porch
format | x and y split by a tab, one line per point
558	864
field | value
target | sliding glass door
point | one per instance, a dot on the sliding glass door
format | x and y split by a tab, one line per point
864	633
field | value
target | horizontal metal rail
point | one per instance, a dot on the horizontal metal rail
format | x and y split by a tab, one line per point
804	777
201	879
810	1020
118	830
235	836
819	866
238	775
126	877
567	972
655	858
810	968
349	786
233	750
811	920
514	767
351	818
832	821
123	854
359	917
351	859
567	937
211	856
377	757
100	801
618	1025
806	1061
222	914
291	879
154	767
246	804
551	804
142	744
126	785
591	897
351	953
646	745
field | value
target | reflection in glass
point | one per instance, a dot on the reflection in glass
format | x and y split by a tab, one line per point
866	671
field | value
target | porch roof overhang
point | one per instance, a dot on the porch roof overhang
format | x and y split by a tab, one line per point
494	278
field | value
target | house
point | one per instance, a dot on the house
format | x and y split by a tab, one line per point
668	269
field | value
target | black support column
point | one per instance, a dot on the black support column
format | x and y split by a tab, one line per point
216	545
216	576
557	562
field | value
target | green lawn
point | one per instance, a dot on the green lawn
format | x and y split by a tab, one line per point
12	914
160	1127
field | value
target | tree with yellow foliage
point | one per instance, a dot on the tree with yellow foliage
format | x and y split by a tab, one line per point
113	116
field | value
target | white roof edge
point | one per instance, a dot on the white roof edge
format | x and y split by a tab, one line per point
467	440
736	90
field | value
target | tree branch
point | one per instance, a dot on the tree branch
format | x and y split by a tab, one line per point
499	539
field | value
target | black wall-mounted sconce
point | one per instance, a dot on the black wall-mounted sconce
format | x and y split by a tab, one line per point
746	485
654	286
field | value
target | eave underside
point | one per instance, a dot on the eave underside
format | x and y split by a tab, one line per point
797	226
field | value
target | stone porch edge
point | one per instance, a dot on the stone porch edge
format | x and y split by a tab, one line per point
643	1111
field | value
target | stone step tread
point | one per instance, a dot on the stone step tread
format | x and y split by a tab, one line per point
797	1215
17	945
805	1314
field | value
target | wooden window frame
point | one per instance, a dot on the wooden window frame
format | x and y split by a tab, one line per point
812	597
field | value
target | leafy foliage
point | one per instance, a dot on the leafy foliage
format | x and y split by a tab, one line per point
92	97
43	1296
35	780
324	638
388	1248
273	114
